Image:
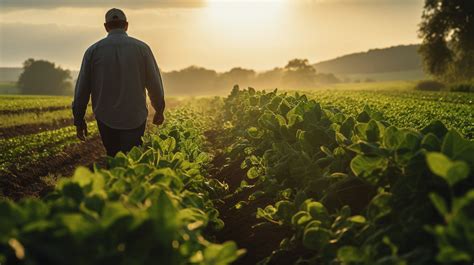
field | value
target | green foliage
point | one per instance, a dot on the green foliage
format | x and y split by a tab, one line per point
150	206
407	109
20	152
353	188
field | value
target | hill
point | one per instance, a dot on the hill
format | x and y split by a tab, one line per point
399	62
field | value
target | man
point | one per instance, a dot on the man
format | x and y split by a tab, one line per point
115	72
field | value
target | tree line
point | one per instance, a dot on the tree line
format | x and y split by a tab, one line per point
43	77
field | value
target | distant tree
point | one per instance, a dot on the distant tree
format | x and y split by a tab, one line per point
299	73
447	29
44	78
236	75
326	79
192	80
269	79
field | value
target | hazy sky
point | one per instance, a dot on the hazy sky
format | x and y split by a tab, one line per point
217	34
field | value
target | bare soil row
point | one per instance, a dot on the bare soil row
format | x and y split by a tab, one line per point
40	178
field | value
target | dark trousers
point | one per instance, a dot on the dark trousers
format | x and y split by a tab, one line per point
116	140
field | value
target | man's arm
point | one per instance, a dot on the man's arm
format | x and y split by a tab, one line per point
154	85
81	96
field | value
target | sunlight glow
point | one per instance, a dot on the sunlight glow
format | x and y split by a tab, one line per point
244	15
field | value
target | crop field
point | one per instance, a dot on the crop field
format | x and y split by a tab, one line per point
328	176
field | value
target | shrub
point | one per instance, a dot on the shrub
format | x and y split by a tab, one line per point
429	85
467	86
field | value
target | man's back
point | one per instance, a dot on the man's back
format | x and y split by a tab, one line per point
115	72
119	80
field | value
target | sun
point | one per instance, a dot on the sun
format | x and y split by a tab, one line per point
244	14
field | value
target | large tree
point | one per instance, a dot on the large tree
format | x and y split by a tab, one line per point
447	29
44	78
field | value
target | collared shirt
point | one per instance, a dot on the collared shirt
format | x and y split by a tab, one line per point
115	73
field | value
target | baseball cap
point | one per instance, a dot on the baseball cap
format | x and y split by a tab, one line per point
115	14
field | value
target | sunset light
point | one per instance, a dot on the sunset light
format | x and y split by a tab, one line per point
236	132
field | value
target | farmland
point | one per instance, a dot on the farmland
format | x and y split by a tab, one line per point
328	176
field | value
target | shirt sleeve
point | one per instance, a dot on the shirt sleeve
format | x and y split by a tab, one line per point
154	82
82	91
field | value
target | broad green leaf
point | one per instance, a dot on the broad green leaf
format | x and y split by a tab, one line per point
253	173
363	117
439	203
285	210
347	127
379	206
300	218
77	225
458	148
73	190
372	132
317	210
254	132
83	176
365	166
451	255
221	254
392	138
441	165
112	212
349	254
431	143
436	127
453	143
316	238
357	219
135	154
284	107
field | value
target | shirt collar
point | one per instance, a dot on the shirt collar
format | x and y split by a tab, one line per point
117	31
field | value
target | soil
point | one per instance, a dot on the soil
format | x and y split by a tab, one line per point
39	178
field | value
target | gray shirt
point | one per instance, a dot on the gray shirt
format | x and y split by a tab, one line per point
115	71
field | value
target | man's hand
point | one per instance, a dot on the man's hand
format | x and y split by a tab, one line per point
81	131
159	118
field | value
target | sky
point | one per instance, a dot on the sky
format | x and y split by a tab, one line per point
216	34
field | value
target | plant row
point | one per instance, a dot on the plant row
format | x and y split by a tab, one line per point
20	152
150	207
406	109
353	189
19	103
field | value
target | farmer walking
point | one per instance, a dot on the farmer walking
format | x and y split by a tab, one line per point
115	72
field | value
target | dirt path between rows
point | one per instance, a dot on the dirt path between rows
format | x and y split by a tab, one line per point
40	178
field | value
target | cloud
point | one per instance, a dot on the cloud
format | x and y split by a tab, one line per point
135	4
45	41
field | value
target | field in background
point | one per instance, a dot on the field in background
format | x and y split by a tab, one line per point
373	86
